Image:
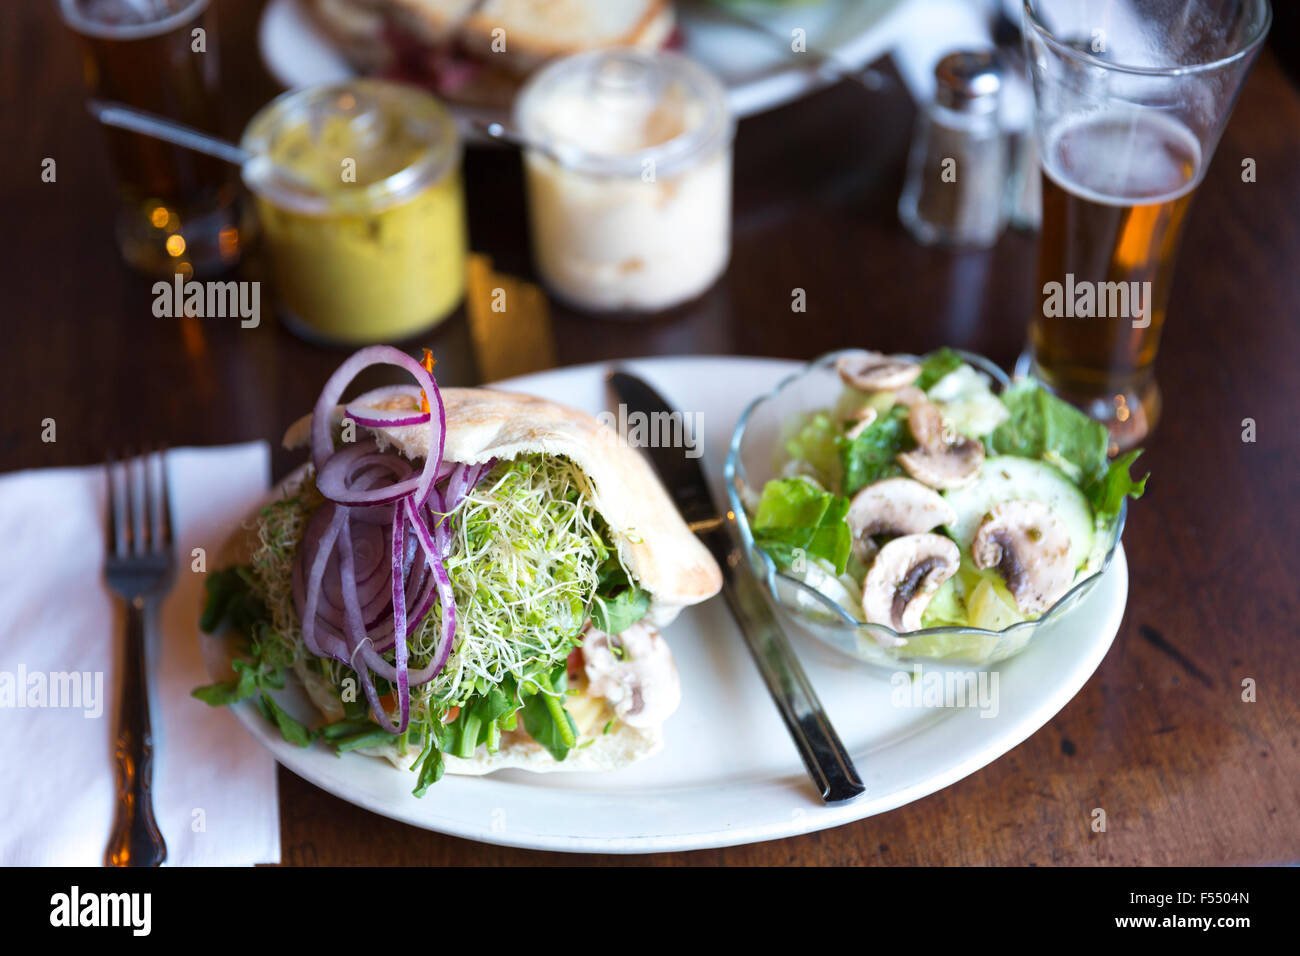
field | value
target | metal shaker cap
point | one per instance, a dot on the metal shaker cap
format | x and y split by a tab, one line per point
969	82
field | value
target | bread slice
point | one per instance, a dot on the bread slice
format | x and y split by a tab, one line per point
663	554
534	31
507	37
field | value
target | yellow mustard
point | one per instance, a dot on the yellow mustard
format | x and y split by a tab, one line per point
362	208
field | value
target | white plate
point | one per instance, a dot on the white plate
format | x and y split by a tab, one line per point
758	72
728	773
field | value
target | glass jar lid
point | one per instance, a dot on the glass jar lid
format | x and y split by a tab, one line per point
360	146
612	112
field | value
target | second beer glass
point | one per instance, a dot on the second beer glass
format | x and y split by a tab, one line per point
1131	99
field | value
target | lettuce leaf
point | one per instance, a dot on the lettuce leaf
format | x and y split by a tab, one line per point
870	456
796	515
1042	426
817	442
1107	494
935	366
1045	427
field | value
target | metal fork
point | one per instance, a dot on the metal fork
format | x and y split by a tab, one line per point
138	568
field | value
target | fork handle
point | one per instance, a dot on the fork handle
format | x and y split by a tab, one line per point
136	839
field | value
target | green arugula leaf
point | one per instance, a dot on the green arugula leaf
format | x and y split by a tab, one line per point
290	729
618	602
545	718
231	691
429	767
347	727
232	601
616	614
478	717
376	737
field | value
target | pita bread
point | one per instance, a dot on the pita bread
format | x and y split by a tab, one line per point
657	547
483	423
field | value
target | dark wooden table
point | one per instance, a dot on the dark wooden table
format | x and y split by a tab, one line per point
1160	737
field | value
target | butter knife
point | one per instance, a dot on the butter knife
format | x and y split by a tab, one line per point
829	764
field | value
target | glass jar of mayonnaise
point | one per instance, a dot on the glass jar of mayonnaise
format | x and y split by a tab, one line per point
629	178
362	207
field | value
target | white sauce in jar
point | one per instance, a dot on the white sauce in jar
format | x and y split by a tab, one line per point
631	209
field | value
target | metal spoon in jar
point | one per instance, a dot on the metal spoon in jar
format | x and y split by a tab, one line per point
517	138
255	167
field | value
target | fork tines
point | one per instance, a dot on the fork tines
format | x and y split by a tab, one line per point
139	518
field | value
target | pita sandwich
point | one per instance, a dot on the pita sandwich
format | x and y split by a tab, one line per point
534	557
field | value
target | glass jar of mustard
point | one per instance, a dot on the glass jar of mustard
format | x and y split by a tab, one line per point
362	207
629	178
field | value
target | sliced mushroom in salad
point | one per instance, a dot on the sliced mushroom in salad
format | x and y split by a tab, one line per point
924	499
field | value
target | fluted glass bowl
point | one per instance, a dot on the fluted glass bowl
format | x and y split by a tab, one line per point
757	454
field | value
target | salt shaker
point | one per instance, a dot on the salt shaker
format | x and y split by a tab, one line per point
956	174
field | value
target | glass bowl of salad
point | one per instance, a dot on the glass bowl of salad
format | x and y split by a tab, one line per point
912	508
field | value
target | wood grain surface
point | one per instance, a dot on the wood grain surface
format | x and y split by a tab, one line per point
1160	737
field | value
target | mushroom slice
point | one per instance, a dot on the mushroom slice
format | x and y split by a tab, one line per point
861	422
904	576
1031	550
941	459
634	671
875	372
894	506
909	396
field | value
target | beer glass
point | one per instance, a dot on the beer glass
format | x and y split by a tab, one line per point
179	211
1130	98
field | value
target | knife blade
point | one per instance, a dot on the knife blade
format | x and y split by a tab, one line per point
823	753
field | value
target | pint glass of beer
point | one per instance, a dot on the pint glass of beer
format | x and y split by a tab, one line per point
1130	99
179	212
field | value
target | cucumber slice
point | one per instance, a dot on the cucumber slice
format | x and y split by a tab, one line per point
1008	478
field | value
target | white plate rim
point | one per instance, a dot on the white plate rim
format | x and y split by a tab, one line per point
763	92
300	762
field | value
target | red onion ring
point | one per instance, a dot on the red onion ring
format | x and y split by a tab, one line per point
364	409
333	647
354	606
322	445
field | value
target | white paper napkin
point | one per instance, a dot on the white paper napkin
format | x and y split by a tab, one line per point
214	787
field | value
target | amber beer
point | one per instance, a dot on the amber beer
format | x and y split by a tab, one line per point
1116	188
179	209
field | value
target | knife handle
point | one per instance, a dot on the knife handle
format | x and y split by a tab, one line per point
823	753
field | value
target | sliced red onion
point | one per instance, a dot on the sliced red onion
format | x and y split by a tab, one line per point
349	476
322	446
354	605
441	521
363	410
330	646
400	650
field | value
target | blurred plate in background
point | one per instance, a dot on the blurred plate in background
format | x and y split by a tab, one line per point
758	70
